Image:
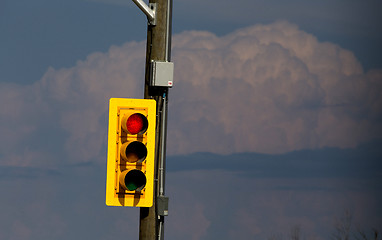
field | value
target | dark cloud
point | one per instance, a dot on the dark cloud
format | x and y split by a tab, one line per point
360	162
212	196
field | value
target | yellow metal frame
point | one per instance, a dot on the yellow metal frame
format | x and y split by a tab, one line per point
115	194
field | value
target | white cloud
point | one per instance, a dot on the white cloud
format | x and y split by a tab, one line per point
267	88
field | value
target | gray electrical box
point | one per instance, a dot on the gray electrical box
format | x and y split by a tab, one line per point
162	74
162	205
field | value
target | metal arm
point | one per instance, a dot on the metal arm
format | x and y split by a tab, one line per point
149	10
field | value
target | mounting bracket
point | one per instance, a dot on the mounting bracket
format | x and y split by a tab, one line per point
149	11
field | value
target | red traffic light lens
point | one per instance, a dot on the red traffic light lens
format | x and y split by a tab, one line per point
136	124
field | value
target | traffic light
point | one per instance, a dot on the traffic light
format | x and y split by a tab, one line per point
131	152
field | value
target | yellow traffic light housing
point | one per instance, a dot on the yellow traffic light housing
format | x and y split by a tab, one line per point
131	152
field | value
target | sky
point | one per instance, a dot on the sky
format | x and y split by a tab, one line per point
274	117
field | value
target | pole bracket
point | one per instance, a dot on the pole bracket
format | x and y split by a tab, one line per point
149	11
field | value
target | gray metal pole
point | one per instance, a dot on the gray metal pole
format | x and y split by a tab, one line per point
162	163
158	48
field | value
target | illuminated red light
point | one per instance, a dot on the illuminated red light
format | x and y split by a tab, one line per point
136	124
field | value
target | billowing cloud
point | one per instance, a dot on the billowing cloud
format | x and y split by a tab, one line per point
266	88
270	88
64	114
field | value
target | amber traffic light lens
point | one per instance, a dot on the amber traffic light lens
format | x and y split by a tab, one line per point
134	152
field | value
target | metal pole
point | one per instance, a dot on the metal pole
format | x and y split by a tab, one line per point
158	48
162	163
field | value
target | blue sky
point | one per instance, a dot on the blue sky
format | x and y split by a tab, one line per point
290	90
39	34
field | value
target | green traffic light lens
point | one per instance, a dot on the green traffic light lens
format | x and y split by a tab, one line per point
135	180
